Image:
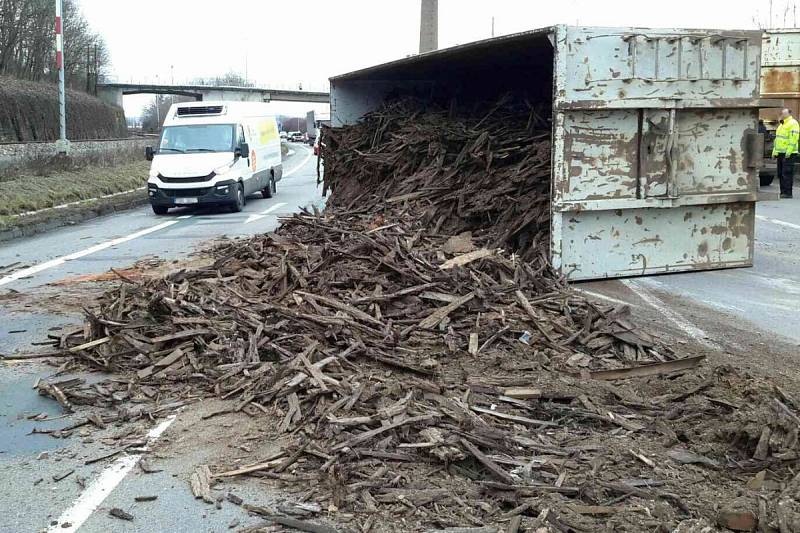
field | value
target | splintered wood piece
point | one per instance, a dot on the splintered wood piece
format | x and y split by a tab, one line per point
200	482
473	344
493	467
437	316
522	393
89	345
371	434
648	370
315	372
272	462
181	335
116	512
465	259
762	448
514	418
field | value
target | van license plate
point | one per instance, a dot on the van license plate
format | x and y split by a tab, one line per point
185	200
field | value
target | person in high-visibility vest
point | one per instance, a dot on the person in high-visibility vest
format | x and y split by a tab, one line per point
785	150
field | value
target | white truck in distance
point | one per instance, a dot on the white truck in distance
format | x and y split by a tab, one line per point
214	153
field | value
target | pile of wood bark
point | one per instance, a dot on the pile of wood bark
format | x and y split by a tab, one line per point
487	171
412	343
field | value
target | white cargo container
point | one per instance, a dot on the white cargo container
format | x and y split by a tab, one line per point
655	145
214	153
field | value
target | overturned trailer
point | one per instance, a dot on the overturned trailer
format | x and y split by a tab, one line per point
655	150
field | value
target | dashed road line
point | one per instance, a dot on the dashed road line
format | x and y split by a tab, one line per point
91	498
778	222
35	269
301	165
684	325
601	296
264	213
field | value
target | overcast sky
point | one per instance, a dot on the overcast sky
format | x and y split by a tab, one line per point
282	44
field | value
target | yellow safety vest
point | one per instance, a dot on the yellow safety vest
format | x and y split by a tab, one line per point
786	137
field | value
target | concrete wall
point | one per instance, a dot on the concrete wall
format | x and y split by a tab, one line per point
106	152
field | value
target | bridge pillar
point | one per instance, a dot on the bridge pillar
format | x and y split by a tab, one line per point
110	95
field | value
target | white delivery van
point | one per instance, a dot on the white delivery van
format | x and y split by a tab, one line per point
214	153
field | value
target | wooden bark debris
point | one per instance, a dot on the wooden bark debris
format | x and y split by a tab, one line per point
116	512
63	475
414	393
200	482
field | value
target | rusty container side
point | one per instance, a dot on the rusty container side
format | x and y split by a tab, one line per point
780	71
655	150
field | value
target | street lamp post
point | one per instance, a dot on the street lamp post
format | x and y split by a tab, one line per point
62	145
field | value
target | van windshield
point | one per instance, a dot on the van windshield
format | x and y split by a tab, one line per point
197	138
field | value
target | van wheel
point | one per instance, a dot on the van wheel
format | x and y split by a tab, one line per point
160	209
270	190
239	204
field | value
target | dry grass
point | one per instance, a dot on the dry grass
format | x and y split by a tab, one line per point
31	191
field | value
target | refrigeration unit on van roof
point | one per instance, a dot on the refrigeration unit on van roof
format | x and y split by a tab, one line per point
200	110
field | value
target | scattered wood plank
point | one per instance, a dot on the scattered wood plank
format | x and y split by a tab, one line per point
648	370
465	259
200	482
514	418
441	313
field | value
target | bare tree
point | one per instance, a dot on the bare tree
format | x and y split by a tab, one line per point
229	79
780	14
26	42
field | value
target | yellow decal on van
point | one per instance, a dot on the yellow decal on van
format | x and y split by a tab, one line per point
267	131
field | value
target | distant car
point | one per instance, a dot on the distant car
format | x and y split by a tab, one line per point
296	137
284	135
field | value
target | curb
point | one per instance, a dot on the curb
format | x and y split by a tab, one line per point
51	218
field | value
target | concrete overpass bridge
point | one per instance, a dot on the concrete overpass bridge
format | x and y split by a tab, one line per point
114	92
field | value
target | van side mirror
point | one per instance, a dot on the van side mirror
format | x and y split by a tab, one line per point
149	153
244	150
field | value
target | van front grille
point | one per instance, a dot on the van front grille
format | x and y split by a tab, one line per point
189	179
176	193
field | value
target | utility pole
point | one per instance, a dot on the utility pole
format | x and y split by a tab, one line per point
158	108
62	146
429	26
492	26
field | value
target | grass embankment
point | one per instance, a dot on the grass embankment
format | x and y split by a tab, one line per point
26	191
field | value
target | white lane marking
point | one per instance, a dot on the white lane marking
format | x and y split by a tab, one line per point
265	212
687	327
91	498
778	222
183	217
604	297
35	269
301	165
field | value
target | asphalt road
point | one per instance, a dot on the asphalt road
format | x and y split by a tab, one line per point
765	298
31	499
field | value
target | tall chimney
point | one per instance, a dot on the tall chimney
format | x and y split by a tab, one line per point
429	26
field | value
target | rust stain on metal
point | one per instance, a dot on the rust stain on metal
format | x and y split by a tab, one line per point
780	81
